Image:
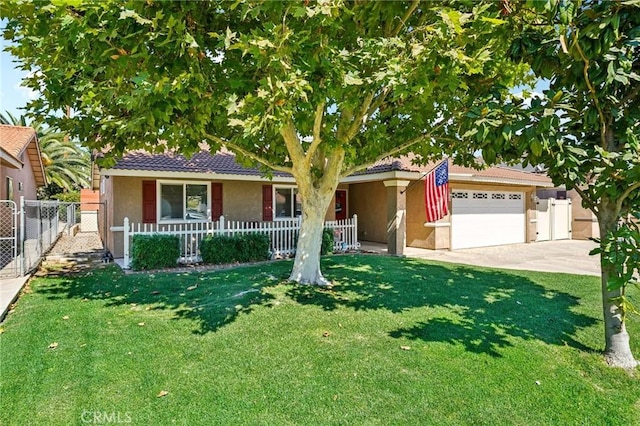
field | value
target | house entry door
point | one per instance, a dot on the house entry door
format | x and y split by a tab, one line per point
341	204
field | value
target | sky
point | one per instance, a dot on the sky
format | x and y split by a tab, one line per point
12	95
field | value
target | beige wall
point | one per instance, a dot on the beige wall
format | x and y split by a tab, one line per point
369	202
584	223
241	201
419	235
24	175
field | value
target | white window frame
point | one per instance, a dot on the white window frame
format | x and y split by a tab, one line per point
184	184
273	202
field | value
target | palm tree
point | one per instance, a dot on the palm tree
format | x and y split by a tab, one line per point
66	164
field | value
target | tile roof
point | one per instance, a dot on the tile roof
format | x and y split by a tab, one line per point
203	162
14	139
405	164
224	162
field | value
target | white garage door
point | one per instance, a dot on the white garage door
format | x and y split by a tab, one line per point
487	218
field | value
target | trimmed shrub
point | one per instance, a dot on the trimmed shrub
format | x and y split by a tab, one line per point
220	249
253	247
154	251
327	242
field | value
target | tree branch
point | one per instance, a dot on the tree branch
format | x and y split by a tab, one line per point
625	194
378	101
294	148
357	120
390	153
317	127
406	16
631	95
592	91
586	200
248	154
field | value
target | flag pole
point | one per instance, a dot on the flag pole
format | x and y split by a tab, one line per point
423	176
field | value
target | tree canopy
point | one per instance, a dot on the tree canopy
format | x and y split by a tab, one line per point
585	128
319	89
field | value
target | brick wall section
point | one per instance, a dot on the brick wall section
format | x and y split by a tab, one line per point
88	197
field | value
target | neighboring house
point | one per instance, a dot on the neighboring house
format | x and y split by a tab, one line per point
21	168
489	207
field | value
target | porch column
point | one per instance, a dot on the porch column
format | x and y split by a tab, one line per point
396	215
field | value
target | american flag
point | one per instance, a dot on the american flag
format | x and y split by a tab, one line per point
436	192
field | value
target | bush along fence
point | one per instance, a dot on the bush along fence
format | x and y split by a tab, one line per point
196	240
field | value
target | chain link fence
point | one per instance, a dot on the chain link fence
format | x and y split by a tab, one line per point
39	225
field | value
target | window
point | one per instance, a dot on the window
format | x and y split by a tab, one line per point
287	203
184	201
459	195
9	188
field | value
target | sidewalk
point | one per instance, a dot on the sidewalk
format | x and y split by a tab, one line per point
9	291
76	249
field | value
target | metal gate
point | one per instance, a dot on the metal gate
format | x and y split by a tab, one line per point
9	262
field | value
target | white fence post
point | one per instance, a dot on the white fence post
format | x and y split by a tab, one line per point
23	256
126	242
355	232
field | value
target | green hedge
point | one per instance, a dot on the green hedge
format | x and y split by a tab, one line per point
327	242
220	249
154	251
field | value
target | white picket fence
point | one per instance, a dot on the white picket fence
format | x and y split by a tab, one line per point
282	233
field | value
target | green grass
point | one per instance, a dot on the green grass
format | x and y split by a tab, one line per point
240	346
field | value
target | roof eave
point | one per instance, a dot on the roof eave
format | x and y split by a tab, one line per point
163	174
9	160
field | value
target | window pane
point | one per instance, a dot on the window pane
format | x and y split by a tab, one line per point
197	202
298	203
283	202
171	202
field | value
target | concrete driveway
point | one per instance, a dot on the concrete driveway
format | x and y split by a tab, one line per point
569	256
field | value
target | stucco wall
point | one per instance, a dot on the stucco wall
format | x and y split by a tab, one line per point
369	202
584	223
24	175
419	235
241	201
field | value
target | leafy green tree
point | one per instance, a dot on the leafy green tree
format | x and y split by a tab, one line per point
318	89
585	129
66	164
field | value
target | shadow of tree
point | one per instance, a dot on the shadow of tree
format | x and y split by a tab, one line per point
484	310
211	300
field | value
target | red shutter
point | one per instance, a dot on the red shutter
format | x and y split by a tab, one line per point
267	203
216	200
149	201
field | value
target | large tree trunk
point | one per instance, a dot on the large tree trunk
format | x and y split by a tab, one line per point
306	266
617	350
317	177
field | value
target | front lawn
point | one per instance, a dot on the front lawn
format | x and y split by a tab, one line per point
395	341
